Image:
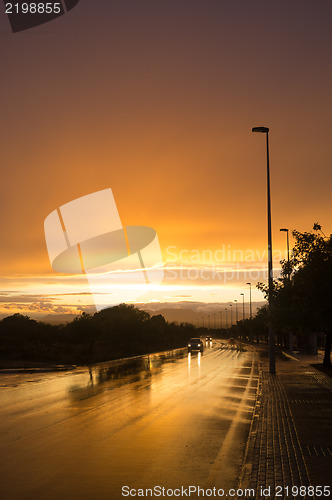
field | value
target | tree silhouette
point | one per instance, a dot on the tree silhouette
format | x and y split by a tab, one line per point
302	303
112	333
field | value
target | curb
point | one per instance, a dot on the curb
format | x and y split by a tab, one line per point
289	356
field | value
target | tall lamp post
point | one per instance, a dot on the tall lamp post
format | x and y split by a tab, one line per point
265	130
220	320
284	229
236	311
250	300
251	336
242	305
226	318
231	306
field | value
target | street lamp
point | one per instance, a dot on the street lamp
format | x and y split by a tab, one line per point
226	317
236	311
220	320
231	305
284	229
242	305
250	300
265	130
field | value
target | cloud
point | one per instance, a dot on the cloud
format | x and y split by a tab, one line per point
36	304
24	299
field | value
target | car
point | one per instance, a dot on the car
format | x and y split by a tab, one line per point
231	341
195	345
208	339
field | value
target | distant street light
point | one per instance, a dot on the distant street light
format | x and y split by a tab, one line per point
250	300
236	311
242	305
231	305
226	317
284	229
265	130
220	320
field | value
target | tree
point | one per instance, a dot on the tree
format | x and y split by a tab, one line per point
302	296
312	282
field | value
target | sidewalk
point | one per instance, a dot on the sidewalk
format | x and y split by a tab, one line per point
290	441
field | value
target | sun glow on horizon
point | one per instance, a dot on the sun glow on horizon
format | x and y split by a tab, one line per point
69	294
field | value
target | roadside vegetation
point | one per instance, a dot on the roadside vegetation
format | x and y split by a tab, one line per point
112	333
301	311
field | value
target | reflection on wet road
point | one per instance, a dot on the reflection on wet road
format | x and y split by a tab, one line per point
173	420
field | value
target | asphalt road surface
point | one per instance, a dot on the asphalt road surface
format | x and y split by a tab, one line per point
166	420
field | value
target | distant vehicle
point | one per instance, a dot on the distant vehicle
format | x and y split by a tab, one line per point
231	341
208	339
195	345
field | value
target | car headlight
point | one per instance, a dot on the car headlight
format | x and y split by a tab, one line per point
198	345
189	345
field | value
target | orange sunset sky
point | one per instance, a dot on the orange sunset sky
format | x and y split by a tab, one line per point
156	100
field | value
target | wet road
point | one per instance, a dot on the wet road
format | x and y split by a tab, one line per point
172	421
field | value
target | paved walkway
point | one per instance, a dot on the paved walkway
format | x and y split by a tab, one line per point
290	442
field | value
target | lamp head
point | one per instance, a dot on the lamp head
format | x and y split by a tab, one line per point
283	229
262	130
